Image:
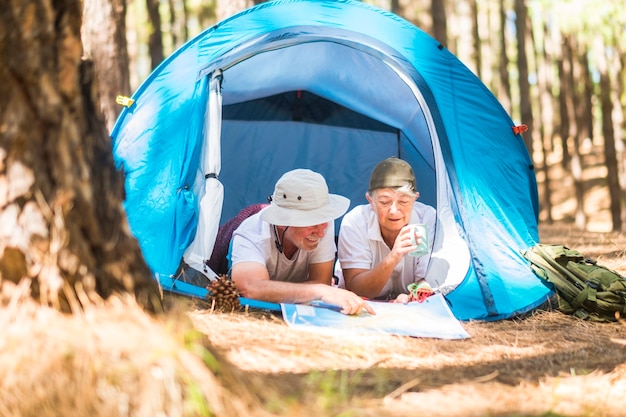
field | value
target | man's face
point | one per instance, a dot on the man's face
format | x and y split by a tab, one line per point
306	238
392	208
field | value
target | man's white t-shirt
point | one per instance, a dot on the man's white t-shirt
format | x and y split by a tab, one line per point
254	241
361	246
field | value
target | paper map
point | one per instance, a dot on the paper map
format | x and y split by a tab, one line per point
432	318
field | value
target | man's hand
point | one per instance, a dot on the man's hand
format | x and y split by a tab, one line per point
349	302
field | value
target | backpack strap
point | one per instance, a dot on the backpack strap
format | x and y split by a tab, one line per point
589	293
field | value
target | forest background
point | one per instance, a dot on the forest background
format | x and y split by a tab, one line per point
557	67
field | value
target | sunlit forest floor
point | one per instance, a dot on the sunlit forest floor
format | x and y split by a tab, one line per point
114	360
545	364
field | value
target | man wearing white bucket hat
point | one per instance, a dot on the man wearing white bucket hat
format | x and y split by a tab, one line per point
286	252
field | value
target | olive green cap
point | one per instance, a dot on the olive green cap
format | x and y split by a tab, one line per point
392	173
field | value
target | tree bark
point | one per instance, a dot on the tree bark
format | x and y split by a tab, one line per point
155	41
104	40
586	108
619	123
396	7
526	114
610	159
546	116
565	93
478	60
577	167
63	226
505	93
173	23
440	25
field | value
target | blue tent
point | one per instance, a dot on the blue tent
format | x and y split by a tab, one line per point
334	86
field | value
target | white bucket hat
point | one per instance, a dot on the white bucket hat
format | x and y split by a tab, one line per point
301	199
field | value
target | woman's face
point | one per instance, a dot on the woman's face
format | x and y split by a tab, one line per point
393	208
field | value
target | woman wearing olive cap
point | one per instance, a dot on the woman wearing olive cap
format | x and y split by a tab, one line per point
286	252
375	238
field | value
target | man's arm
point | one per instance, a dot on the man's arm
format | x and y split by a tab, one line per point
321	273
252	281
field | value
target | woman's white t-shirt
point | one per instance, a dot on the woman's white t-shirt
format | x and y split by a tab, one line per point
361	246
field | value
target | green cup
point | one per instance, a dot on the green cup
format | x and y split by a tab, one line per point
419	231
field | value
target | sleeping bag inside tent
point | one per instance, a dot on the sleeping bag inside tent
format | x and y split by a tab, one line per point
336	87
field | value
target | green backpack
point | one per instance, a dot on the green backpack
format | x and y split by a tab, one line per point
583	288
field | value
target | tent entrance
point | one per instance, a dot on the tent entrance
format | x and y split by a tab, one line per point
305	107
338	111
264	138
326	104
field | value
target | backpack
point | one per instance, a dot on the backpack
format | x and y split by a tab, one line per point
583	288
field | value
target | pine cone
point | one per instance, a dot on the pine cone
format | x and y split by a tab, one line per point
223	295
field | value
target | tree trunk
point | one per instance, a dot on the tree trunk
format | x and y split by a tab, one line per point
574	74
546	116
155	41
173	23
505	93
526	114
478	61
396	7
63	226
104	40
185	24
610	159
440	25
565	93
619	123
586	107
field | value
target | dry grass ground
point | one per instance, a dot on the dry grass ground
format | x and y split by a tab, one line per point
116	361
547	364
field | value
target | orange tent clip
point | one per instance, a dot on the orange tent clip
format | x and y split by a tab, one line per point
519	129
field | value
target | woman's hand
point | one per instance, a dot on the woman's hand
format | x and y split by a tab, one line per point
402	298
404	242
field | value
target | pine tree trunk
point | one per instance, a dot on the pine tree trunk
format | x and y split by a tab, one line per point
574	74
440	25
565	93
586	108
505	93
155	43
546	116
619	121
526	114
396	7
608	133
104	40
63	226
478	59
